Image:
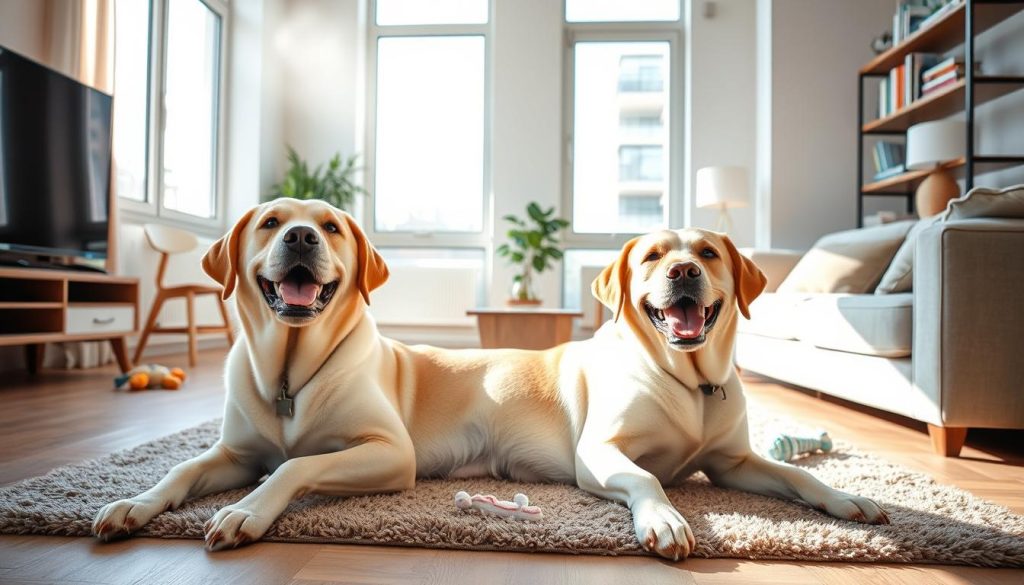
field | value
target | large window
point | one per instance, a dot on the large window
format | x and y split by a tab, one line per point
621	10
429	130
623	123
168	86
131	108
191	96
621	133
430	134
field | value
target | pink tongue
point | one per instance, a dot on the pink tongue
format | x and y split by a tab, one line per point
685	323
298	293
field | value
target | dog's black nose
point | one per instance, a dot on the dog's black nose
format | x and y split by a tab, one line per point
683	270
301	238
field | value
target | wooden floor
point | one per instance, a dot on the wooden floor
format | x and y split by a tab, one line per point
65	417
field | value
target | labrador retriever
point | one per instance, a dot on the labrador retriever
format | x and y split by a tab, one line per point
322	403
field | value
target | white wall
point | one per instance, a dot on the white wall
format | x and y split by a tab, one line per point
817	47
721	101
527	125
317	44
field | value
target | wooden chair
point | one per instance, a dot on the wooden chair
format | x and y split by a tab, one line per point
167	241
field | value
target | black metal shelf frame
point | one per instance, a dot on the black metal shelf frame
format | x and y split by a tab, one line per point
970	80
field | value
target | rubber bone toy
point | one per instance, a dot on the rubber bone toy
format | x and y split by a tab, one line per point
786	447
519	508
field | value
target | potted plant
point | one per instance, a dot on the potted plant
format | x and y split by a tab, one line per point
336	185
534	246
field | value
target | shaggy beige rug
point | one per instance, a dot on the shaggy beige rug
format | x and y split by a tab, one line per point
931	523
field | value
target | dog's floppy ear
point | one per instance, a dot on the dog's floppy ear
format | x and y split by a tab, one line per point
748	280
373	271
611	287
221	259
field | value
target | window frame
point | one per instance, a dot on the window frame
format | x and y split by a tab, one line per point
153	208
638	31
426	239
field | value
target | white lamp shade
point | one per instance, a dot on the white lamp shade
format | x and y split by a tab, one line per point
933	143
722	187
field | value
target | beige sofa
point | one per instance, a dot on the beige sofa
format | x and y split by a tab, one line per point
950	353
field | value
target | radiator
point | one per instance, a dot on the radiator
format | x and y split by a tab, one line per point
427	296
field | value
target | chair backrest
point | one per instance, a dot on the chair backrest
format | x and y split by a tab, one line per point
169	240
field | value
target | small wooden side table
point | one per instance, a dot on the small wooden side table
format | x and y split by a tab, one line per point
524	328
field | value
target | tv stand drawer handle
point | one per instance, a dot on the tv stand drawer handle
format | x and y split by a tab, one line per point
98	321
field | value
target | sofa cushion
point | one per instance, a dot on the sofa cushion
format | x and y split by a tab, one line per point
774	315
851	261
982	202
899	276
879	325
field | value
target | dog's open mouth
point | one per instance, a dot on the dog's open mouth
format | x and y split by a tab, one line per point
686	322
298	294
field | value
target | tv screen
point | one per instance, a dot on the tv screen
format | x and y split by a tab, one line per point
55	151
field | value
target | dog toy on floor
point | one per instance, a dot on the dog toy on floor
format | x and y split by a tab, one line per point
149	376
519	508
786	447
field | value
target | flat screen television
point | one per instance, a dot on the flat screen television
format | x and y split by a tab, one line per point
55	156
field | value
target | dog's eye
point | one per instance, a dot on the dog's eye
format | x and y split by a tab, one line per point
270	223
708	253
331	227
652	256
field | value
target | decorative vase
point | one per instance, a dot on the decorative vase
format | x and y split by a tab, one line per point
522	292
934	193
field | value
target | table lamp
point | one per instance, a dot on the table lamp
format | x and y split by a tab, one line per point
722	188
929	146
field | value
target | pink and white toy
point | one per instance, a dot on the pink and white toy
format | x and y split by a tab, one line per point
519	508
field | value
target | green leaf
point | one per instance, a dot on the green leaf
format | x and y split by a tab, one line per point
517	257
333	183
503	250
513	219
534	238
535	212
553	252
538	263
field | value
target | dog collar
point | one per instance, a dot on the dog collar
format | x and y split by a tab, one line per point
710	389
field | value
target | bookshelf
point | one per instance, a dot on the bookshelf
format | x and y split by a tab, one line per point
960	26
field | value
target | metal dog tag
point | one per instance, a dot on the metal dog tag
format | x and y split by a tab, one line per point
285	405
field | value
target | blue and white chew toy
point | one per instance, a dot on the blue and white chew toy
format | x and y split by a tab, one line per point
786	447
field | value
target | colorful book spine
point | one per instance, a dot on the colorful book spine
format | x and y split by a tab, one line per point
939	86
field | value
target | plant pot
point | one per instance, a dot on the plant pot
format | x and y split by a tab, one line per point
525	303
522	292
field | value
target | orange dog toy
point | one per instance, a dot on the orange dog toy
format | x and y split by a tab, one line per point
151	376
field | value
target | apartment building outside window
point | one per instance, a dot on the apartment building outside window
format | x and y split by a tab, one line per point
623	130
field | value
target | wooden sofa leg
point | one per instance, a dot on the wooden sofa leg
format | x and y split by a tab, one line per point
947	441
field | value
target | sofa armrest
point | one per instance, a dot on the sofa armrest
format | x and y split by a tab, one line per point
969	323
776	263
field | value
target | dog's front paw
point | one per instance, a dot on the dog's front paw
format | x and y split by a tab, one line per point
123	517
662	529
233	526
856	508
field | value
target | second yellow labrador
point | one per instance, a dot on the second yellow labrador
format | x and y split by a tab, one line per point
324	404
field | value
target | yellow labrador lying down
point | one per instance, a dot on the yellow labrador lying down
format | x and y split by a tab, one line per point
318	400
